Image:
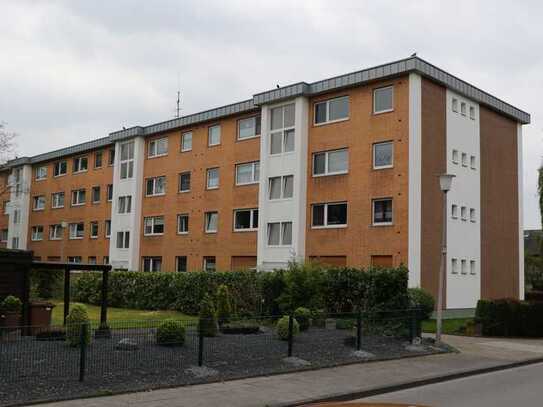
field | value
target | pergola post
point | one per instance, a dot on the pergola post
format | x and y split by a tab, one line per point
103	330
66	293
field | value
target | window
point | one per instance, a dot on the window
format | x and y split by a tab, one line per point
248	128
463	108
330	163
332	110
95	194
281	187
106	260
181	263
248	173
77	230
211	222
98	159
55	232
184	182
454	211
455	105
75	259
329	215
5	207
383	100
156	186
282	129
127	160
41	173
472	215
183	223
153	225
15	243
210	264
464	213
382	212
111	157
152	263
472	162
212	178
464	160
94	230
39	203
214	135
4	235
472	113
158	147
80	164
245	220
455	156
125	204
60	168
107	225
78	197
463	266
37	233
92	259
123	240
16	216
186	141
454	266
280	234
472	269
383	155
109	192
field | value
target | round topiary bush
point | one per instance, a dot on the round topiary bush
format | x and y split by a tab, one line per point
419	298
224	304
207	323
303	316
77	318
282	328
170	333
11	304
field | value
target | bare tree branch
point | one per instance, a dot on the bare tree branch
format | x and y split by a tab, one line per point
7	143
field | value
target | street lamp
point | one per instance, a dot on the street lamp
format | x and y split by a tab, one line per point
445	184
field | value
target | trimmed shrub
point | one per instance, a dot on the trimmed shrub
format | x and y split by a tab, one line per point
11	304
46	283
303	283
170	333
241	327
207	323
282	328
509	317
224	304
419	298
303	316
345	323
77	317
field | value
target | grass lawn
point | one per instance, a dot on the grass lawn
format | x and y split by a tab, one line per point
450	326
118	314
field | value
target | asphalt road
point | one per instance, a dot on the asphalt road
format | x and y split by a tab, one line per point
513	387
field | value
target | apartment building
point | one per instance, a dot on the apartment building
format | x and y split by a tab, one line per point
343	171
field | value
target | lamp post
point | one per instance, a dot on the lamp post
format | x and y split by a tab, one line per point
445	183
63	226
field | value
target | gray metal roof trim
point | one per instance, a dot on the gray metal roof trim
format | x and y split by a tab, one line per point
72	150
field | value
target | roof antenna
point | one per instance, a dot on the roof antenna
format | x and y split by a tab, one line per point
178	103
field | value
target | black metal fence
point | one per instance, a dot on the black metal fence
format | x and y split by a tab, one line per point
135	351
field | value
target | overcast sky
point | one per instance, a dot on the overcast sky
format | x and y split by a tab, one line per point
72	71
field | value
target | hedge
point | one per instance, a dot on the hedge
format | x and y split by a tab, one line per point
266	293
509	317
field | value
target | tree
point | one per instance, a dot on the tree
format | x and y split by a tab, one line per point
7	143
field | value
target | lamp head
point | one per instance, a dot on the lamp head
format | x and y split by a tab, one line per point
445	182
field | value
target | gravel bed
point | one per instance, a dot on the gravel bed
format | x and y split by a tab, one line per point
32	370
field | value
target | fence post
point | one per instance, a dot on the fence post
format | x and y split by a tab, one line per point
290	334
200	345
359	330
83	350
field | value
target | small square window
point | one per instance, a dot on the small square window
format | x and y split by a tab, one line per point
464	213
455	156
454	211
41	173
39	203
383	100
472	215
152	264
472	267
472	113
455	105
245	220
80	164
472	162
454	266
464	160
463	266
153	225
37	233
77	230
463	108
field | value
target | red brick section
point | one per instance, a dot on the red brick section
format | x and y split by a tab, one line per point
4	197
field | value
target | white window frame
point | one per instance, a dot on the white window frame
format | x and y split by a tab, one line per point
207	218
154	180
124	242
283	130
78	164
374	99
59	164
209	130
281	234
283	180
383	167
16	216
109	192
327	173
256	133
153	220
126	164
124	204
254	165
75	259
327	103
41	173
55	232
91	226
76	193
252	226
152	260
205	261
208	178
373	201
183	149
36	235
180	183
454	211
36	200
326	225
107	228
75	227
179	217
152	150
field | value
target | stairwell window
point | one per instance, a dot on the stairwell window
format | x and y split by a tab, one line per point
464	160
472	267
281	187
332	110
282	129
127	160
155	186
329	215
472	217
153	225
125	204
123	240
158	147
463	266
473	162
77	230
280	234
248	173
464	213
383	100
249	128
334	162
455	105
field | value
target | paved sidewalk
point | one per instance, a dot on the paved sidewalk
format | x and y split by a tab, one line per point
292	388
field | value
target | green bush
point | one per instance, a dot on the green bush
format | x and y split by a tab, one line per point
509	317
419	298
170	333
282	328
303	316
77	317
345	323
302	288
224	304
46	283
11	304
318	318
241	327
207	323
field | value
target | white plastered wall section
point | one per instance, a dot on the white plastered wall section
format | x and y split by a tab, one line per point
127	258
285	210
520	212
19	201
463	234
415	188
